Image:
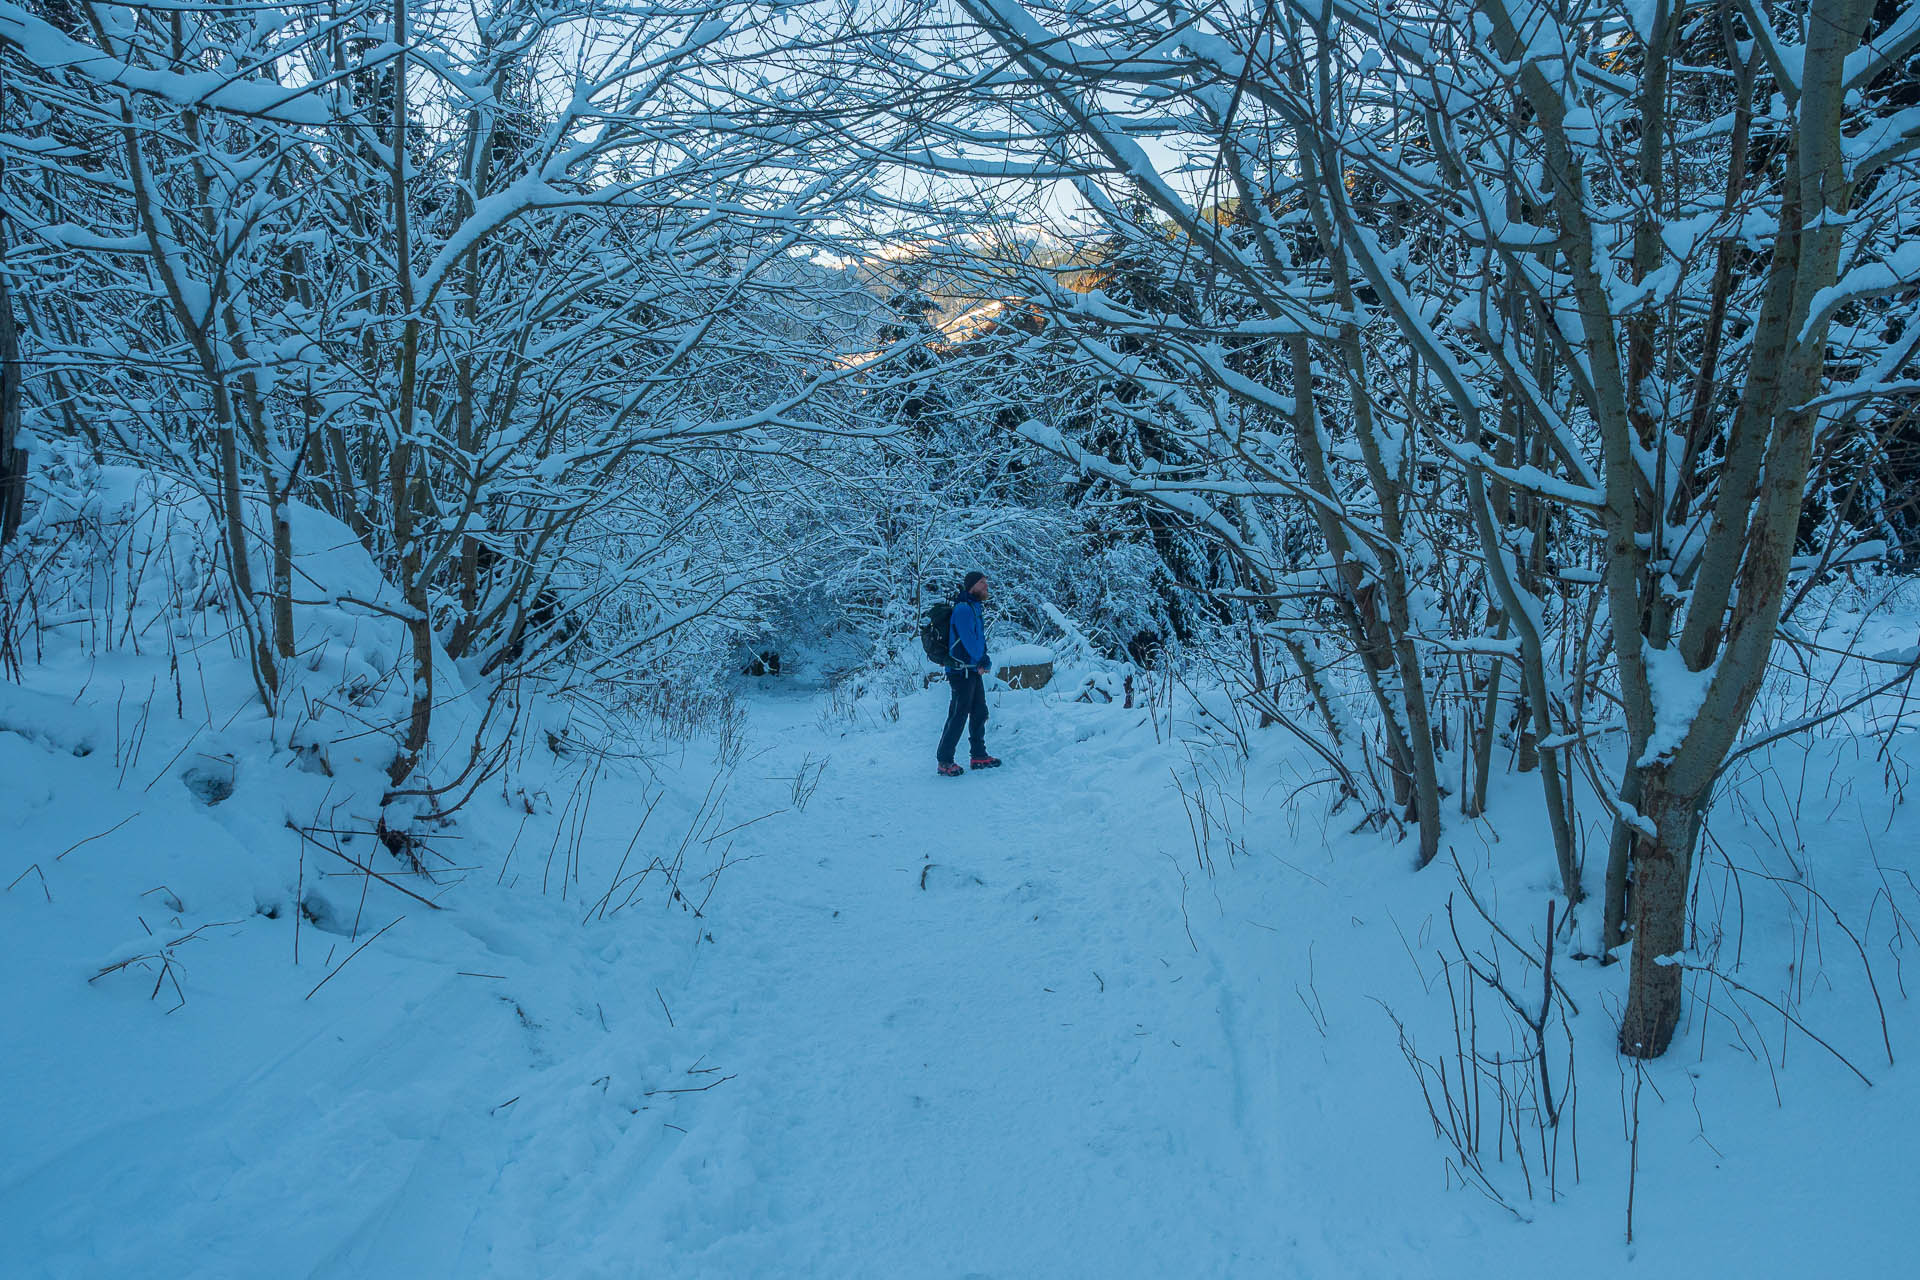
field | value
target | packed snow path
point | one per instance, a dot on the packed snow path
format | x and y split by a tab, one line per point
981	1048
926	1027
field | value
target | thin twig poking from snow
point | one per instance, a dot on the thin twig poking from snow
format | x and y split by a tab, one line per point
1798	1025
356	951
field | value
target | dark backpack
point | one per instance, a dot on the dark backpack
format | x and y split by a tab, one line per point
936	633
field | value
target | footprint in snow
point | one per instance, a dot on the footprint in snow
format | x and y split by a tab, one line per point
1031	891
935	875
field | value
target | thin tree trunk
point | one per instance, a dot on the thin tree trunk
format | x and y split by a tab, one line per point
400	464
1489	726
13	460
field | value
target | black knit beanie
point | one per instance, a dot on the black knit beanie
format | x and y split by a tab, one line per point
967	583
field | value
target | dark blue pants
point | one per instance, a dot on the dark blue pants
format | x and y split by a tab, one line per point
967	710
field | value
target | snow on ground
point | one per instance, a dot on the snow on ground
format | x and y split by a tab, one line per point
1001	1026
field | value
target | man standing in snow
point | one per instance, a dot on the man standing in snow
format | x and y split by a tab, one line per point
967	678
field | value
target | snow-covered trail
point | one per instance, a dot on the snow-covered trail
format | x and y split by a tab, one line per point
930	1027
995	1026
980	1039
1004	1026
927	1027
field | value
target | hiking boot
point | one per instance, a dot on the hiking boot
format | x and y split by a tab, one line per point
984	762
953	770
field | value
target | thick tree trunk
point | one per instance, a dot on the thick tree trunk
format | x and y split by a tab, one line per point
1662	870
1737	598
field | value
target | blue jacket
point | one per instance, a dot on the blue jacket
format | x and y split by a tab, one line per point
967	634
